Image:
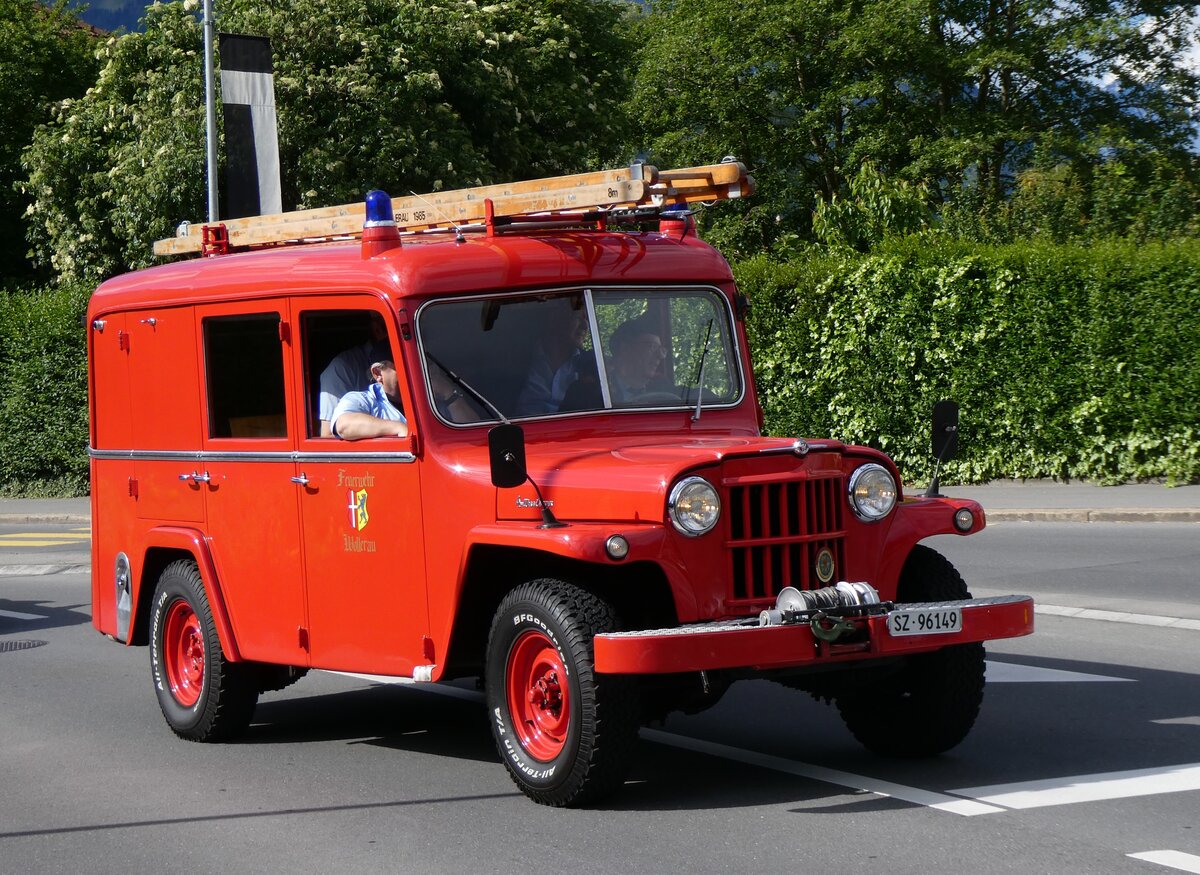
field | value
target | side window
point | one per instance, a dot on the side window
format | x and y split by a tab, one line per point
339	347
243	362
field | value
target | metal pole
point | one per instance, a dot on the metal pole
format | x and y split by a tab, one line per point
210	111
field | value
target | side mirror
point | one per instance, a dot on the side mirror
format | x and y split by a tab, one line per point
945	440
506	451
945	430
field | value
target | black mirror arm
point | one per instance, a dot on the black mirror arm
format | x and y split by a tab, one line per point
932	491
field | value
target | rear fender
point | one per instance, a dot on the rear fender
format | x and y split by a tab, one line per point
191	542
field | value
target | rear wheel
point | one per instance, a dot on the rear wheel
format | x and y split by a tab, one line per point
203	696
931	704
564	732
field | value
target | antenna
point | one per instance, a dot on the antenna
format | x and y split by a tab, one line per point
458	232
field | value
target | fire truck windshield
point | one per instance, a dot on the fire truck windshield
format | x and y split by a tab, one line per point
586	350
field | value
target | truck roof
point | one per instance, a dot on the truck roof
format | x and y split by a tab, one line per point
427	265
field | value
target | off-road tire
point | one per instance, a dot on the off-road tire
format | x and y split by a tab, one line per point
579	752
931	704
203	696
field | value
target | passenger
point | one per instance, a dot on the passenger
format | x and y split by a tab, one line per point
637	360
556	365
348	371
374	411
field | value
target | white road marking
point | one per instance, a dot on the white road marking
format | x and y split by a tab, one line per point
1172	859
940	801
1178	721
1012	673
17	615
1088	788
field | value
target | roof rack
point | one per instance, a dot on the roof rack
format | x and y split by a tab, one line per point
639	188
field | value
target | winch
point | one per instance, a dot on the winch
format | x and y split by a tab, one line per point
828	610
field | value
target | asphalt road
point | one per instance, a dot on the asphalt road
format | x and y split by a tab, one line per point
1087	752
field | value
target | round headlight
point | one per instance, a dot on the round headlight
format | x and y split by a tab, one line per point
872	492
694	506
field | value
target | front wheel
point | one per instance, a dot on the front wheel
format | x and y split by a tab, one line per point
203	696
930	705
564	732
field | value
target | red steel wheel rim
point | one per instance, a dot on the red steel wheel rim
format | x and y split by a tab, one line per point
183	653
538	695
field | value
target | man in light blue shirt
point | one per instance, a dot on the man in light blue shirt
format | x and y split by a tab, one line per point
348	371
373	412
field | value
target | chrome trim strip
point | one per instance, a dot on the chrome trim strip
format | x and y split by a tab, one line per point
249	456
813	447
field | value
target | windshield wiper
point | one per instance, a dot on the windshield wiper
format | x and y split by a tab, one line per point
700	374
468	388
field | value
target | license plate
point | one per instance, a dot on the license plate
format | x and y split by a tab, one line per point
925	621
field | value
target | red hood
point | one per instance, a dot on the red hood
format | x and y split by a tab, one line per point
594	480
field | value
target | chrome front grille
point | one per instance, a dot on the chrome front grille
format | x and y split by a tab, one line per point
777	530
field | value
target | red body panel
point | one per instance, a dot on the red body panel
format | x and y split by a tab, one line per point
353	556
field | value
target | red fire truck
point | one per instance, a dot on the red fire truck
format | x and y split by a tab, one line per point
582	509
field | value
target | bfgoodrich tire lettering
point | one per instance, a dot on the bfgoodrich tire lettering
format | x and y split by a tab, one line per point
203	696
564	732
932	703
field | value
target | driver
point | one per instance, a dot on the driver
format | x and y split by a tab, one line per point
637	359
557	364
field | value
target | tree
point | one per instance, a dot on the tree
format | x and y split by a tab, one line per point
953	93
46	55
396	94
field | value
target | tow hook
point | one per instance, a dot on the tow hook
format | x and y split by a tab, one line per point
829	628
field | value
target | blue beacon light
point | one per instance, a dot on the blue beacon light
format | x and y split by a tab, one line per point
379	228
379	210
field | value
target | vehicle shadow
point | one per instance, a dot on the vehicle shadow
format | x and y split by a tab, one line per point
38	615
1143	719
386	716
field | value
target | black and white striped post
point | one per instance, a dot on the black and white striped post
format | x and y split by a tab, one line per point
251	139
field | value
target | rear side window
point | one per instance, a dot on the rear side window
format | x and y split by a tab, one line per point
243	361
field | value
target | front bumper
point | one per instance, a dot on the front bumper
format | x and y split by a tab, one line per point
734	644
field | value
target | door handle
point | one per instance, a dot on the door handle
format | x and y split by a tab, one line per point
196	478
302	480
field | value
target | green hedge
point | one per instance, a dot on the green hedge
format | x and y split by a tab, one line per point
1069	362
43	391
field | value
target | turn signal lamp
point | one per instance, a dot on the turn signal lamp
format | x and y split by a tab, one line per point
964	520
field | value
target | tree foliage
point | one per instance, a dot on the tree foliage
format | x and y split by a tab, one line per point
45	56
955	93
397	94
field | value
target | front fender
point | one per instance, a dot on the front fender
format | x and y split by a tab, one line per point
917	518
648	542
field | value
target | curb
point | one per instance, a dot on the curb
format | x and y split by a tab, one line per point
39	570
1085	515
84	518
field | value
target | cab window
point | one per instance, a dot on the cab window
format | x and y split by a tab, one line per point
243	358
339	346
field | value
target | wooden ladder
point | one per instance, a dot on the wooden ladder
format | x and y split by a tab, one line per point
637	186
